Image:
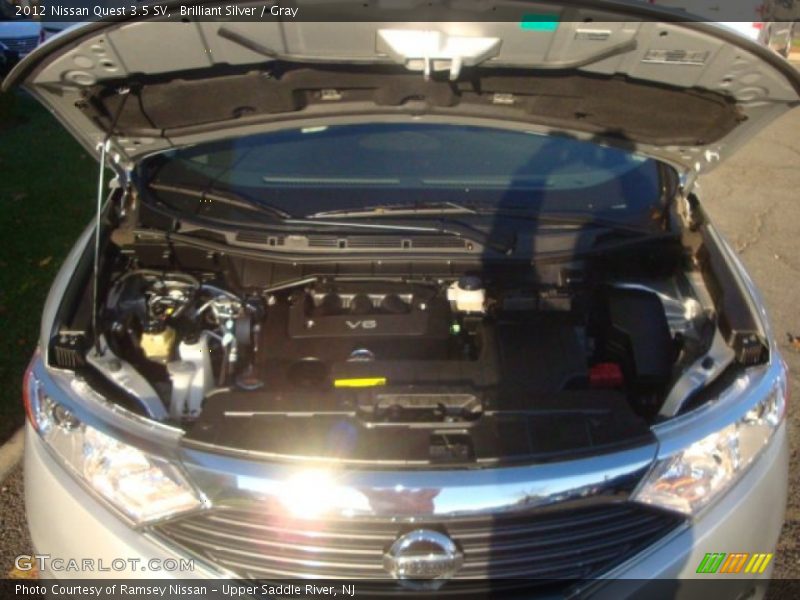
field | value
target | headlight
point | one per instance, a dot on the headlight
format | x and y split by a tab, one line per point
142	486
690	479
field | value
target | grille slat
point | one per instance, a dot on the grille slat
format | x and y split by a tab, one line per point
562	544
522	565
289	546
321	542
555	523
349	557
464	528
550	554
340	563
323	534
257	571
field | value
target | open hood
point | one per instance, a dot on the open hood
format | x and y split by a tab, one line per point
687	93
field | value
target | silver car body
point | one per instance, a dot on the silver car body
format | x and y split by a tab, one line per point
746	518
749	517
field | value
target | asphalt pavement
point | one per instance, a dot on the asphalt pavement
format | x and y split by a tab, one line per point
754	199
14	539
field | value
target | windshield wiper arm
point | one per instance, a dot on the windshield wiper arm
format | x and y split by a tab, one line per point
444	227
396	210
578	220
501	243
222	196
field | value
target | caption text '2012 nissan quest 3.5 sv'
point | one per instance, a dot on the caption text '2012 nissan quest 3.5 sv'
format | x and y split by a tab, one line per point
410	302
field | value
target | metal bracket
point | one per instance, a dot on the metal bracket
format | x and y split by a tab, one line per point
702	372
124	375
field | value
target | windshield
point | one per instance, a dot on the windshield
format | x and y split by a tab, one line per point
355	167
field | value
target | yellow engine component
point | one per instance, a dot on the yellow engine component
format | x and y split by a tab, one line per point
361	382
158	346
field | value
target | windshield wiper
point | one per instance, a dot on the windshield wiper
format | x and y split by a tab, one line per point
442	227
576	221
222	196
571	220
502	242
396	210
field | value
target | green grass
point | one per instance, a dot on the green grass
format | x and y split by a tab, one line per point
46	197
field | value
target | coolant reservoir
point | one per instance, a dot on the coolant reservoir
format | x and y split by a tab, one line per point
467	294
193	377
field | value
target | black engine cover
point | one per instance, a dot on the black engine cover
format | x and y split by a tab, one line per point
387	324
364	315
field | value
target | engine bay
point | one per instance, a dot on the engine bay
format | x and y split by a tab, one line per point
400	370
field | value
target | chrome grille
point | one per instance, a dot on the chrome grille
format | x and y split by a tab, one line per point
21	46
562	545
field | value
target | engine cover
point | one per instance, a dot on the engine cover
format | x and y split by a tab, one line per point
385	322
386	314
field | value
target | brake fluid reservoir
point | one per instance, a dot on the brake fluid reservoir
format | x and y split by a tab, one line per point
157	345
467	295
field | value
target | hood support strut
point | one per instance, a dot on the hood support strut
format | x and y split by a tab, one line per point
101	184
98	211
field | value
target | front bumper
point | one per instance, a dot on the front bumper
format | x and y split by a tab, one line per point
67	522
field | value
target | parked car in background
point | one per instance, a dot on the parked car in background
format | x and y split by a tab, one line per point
782	19
20	35
775	35
781	24
778	35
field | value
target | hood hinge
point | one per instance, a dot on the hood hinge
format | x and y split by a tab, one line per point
689	211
